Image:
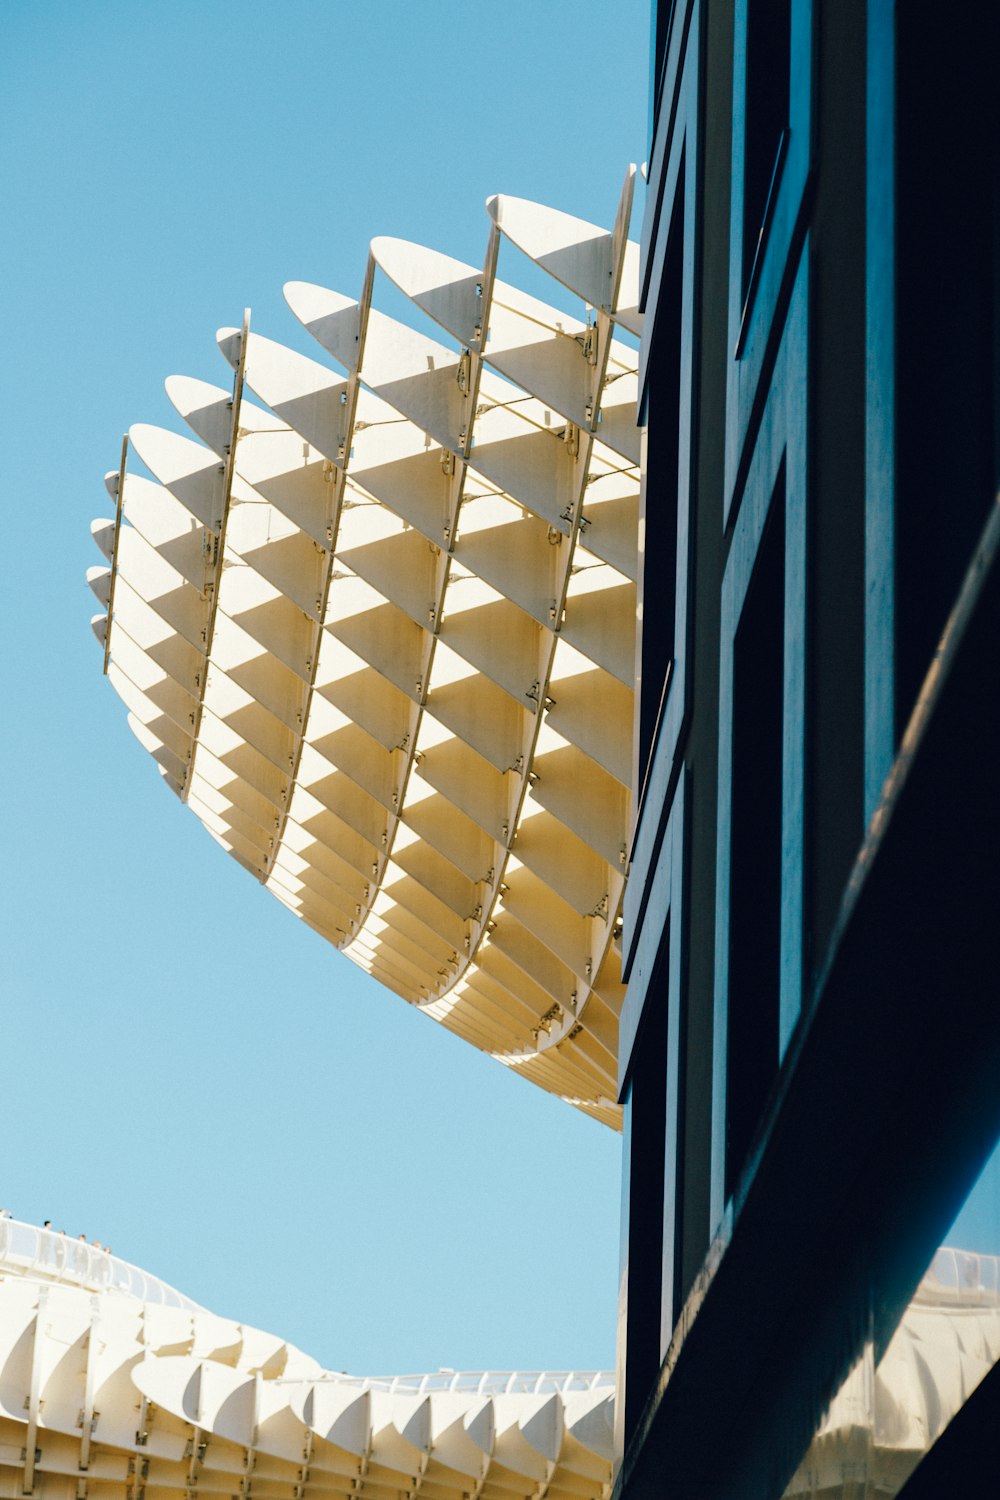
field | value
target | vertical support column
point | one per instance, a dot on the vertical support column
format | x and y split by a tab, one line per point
880	404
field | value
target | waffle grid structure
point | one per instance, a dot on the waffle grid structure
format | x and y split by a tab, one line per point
379	634
104	1395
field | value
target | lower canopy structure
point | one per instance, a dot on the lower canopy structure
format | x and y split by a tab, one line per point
106	1397
380	635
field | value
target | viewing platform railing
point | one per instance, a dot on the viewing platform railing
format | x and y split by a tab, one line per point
483	1382
51	1256
57	1257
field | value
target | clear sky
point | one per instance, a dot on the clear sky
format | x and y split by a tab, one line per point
189	1074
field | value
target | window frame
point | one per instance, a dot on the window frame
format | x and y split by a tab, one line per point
782	438
660	959
681	146
754	315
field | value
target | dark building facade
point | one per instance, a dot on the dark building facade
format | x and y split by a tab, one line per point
810	1049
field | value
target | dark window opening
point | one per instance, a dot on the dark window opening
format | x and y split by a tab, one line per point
767	104
947	432
755	868
659	562
661	17
647	1147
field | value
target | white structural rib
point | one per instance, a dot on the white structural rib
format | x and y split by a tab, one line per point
379	636
103	1395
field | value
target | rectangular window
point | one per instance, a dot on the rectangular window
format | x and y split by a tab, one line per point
756	850
647	1115
948	210
768	77
659	566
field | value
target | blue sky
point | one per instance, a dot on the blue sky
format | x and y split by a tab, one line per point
190	1074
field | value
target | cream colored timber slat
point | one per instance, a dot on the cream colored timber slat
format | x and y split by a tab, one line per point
487	1027
564	1059
412	927
463	779
172	1417
246	718
151	697
399	565
535	958
365	631
492	634
581	944
178	603
158	724
575	685
118	497
224	745
430	869
586	1045
477	1021
425	904
567	865
172	697
583	796
522	946
172	766
436	820
414	939
166	524
324	782
612	515
597	267
325	801
436	492
384	939
369	700
562	1069
213	582
581	256
202	485
151	635
538	920
214	804
602	1022
536	687
30	1453
520	446
275	559
406	897
600	616
329	844
515	1007
535	684
311	886
485	717
328	927
218	786
551	356
555	1068
522	332
99	583
513	552
497	973
611	259
324	414
553	1071
325	902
